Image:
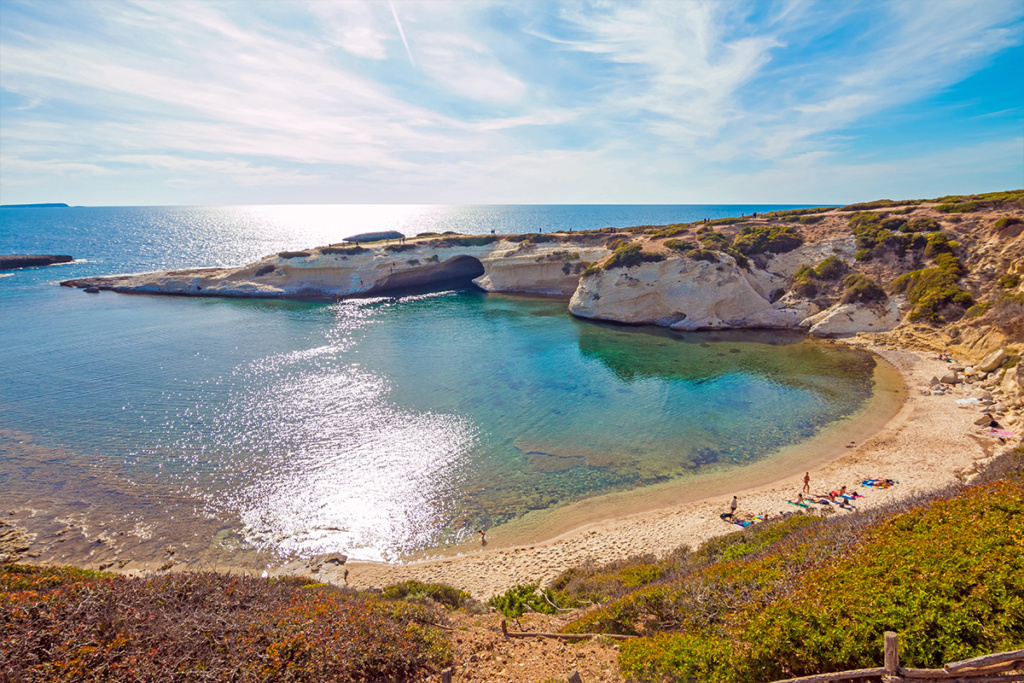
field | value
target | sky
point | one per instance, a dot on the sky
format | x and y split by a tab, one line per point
170	102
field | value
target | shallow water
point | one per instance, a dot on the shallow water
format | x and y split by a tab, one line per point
386	427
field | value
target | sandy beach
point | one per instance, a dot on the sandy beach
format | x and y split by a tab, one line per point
929	443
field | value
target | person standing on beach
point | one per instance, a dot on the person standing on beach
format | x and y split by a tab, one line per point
807	482
732	506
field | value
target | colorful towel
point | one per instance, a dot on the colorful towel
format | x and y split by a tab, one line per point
1003	433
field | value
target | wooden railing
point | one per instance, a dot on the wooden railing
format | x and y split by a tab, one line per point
1001	667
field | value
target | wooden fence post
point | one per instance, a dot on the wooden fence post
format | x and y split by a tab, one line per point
892	657
574	677
446	675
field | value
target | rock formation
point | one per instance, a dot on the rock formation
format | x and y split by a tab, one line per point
941	274
12	261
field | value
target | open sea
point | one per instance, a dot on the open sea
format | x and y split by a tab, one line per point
380	428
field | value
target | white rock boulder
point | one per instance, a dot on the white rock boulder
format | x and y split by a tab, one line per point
847	319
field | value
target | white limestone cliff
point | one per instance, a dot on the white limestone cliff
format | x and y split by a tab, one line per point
680	293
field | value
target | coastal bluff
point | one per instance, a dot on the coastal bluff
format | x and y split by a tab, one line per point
949	271
677	292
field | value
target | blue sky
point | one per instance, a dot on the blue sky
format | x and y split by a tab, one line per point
270	101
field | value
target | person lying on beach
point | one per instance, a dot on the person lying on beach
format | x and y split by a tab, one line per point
799	502
879	483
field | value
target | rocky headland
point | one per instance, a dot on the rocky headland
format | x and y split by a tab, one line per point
833	271
12	261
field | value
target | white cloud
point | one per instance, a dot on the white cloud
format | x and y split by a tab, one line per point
360	28
465	67
660	101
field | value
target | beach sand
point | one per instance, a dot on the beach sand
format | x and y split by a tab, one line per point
929	443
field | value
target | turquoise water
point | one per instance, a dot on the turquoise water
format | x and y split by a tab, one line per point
386	427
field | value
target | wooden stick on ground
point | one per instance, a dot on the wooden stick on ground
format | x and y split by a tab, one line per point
562	636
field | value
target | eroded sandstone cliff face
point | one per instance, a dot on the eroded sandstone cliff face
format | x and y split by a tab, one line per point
551	269
680	293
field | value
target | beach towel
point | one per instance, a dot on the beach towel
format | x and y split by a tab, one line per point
967	401
799	505
1003	433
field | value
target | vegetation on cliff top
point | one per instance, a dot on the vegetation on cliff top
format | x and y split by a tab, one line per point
631	254
772	239
935	292
811	595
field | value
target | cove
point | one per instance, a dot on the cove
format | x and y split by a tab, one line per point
394	427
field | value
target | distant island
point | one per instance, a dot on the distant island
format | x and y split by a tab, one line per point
55	205
12	261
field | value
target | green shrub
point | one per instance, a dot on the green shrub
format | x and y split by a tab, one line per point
400	247
1006	221
463	240
344	251
934	292
448	596
727	221
1009	280
893	223
678	657
801	212
868	228
592	269
629	255
773	239
599	583
948	577
860	288
434	258
957	207
714	240
832	268
921	224
863	255
938	243
671	231
803	282
948	261
293	254
880	204
978	310
703	255
514	602
680	245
